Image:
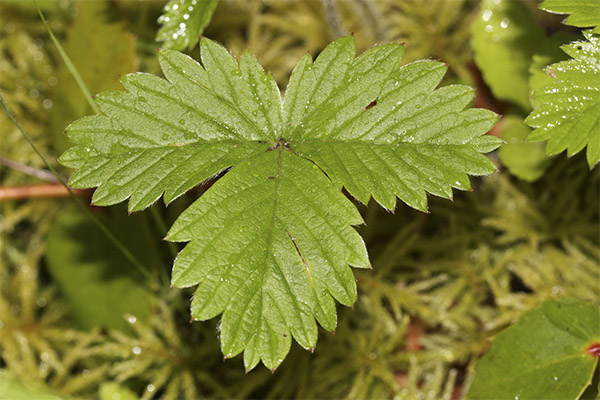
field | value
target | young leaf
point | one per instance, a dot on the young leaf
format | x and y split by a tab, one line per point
527	161
504	37
183	22
551	353
584	13
567	112
271	241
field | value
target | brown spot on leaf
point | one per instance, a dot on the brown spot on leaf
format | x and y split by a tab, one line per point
594	350
371	104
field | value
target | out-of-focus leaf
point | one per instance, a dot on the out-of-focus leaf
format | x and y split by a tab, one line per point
93	277
567	111
115	391
547	53
12	388
528	161
504	38
548	354
584	13
101	51
183	22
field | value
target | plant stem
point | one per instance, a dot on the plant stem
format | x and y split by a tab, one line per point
39	173
162	226
30	191
141	269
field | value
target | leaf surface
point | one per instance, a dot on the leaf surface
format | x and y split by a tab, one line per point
272	240
545	355
567	111
584	13
183	22
504	37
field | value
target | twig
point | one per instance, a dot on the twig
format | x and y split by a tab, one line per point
50	190
39	173
332	16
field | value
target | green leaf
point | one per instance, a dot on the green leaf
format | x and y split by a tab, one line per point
86	268
547	53
13	388
183	22
271	241
545	355
584	13
504	37
527	161
567	111
112	391
99	62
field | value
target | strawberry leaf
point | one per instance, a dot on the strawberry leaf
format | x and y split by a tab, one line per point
183	22
272	240
584	13
567	111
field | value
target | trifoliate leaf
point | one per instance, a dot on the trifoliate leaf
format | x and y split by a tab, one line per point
550	353
567	112
584	13
271	241
183	22
504	37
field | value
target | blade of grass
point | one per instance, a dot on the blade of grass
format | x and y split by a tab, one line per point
68	63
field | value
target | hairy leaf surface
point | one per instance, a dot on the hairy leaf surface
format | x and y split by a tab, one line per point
183	22
272	240
567	111
584	13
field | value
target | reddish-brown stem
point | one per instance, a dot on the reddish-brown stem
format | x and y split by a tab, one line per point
38	191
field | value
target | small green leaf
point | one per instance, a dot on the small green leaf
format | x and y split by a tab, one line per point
272	240
567	111
115	391
504	37
183	22
12	388
545	355
527	161
584	13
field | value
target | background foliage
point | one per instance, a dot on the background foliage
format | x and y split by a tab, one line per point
442	285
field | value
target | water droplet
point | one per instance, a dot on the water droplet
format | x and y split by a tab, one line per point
186	16
150	388
487	14
489	28
504	23
136	350
131	319
165	137
236	72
